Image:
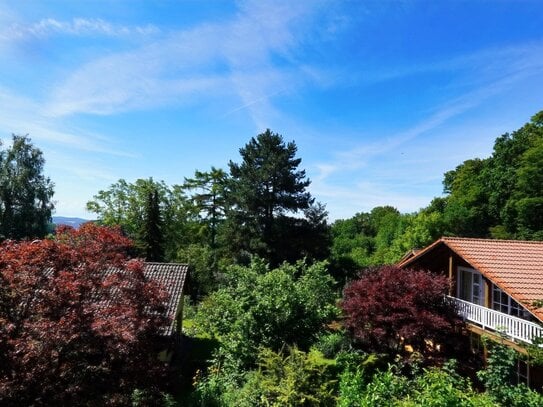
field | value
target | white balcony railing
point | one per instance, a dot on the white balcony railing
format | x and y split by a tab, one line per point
513	327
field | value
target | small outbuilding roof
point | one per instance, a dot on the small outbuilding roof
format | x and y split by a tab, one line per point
172	276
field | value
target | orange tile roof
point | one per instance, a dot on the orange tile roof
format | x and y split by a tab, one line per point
513	265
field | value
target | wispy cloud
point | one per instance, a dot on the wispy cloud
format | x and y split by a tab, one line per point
21	115
77	26
232	59
518	70
400	169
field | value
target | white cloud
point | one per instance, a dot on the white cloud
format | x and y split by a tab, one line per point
77	27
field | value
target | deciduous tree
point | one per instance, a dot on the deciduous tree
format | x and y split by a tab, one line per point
71	334
124	205
25	193
263	307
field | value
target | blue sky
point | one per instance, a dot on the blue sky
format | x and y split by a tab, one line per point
381	97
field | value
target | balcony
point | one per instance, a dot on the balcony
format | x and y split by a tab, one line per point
515	328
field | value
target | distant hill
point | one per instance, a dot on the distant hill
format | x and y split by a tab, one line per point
74	222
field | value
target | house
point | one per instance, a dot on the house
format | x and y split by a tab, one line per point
496	285
173	277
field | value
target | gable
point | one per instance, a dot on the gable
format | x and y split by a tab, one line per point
516	267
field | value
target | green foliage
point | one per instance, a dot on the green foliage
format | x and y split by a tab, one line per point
366	239
351	384
201	259
293	378
500	370
264	191
432	387
142	398
261	307
25	193
284	378
209	198
467	212
382	236
502	195
125	203
331	343
499	377
151	234
420	230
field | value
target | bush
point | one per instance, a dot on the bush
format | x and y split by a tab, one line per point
331	343
259	307
432	388
499	376
292	378
390	307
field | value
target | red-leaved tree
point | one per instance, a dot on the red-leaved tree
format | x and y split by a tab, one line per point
390	307
70	332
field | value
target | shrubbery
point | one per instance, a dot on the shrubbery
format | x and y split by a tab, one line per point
258	307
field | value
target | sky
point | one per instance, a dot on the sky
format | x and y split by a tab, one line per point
381	97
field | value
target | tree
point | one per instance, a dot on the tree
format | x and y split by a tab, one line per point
264	190
124	205
70	333
467	211
390	307
500	196
209	198
25	193
262	307
152	235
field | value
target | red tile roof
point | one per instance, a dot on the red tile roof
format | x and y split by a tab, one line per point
513	265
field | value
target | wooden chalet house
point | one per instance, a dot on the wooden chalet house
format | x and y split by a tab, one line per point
496	286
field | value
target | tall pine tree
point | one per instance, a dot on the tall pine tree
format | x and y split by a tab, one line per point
266	191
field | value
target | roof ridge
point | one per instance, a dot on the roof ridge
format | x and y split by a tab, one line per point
164	263
445	238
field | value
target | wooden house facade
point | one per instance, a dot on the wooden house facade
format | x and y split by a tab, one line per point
496	286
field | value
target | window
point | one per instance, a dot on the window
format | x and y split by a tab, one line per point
504	303
470	285
523	372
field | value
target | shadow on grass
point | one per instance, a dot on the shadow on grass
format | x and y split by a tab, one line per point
195	356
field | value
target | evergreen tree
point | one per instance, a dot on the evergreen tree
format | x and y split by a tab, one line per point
25	193
264	190
152	235
209	199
